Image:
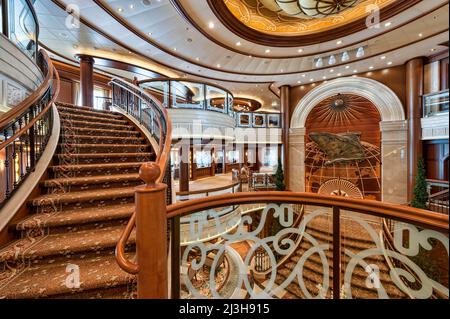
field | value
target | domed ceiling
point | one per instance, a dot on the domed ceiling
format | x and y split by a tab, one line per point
297	17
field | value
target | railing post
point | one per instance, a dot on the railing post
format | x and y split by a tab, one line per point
151	235
175	258
336	253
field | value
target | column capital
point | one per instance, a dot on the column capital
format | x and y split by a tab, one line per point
85	58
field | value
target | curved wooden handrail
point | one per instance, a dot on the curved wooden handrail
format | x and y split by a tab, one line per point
210	190
23	106
411	215
24	129
162	160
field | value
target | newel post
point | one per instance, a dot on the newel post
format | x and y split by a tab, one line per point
151	235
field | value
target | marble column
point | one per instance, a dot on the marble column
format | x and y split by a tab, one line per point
296	166
394	161
87	80
285	111
414	92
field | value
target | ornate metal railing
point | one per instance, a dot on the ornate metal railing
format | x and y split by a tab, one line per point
150	113
341	241
25	131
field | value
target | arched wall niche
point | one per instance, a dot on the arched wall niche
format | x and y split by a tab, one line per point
393	129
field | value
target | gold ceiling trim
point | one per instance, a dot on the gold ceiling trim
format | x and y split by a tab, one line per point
256	16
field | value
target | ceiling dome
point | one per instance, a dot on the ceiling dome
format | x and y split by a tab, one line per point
309	9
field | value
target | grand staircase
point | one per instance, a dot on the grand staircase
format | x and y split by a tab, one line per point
354	239
86	199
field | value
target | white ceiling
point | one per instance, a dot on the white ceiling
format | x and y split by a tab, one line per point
171	31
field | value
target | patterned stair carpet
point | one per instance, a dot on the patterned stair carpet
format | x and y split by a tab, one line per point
76	221
355	239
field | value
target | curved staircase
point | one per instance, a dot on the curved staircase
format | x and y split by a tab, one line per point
86	199
354	239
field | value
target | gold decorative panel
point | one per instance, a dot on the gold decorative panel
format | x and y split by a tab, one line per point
300	17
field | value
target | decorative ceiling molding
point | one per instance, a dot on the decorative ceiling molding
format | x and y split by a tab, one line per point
222	12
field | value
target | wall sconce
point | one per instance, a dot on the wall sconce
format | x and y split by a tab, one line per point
319	63
360	53
332	60
345	57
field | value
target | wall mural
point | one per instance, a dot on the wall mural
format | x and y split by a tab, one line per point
337	161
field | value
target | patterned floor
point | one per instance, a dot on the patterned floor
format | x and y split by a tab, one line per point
65	248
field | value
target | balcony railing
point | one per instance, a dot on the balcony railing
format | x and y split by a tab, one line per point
25	131
435	104
188	94
345	235
20	25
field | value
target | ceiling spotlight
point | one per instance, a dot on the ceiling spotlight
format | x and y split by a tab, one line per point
383	57
420	35
433	49
360	53
319	63
339	42
389	63
281	70
387	24
303	75
267	50
345	57
371	67
197	59
332	60
300	50
211	25
355	71
347	66
299	82
174	49
150	33
219	66
332	70
238	44
311	80
324	77
339	74
131	6
120	9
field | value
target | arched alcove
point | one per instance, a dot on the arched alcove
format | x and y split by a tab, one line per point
393	130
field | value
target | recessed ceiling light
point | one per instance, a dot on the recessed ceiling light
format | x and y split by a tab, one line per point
174	49
433	49
219	66
150	33
120	9
197	59
355	71
389	63
347	66
303	75
75	46
131	6
332	70
211	25
387	24
339	42
299	82
371	67
383	57
300	50
311	80
238	44
420	34
267	51
324	77
339	74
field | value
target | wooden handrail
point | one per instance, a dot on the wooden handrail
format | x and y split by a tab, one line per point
23	106
437	181
432	196
161	162
411	215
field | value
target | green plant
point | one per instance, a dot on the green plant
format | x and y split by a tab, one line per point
279	177
420	188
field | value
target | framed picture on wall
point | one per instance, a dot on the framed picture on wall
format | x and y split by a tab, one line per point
259	120
273	120
243	119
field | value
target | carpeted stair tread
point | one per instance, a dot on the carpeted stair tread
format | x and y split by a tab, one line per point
49	280
102	132
97	119
72	110
86	167
107	146
76	217
85	108
76	123
65	244
83	196
89	180
106	138
102	155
